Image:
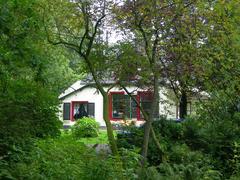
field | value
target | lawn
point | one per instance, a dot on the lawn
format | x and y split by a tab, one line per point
101	139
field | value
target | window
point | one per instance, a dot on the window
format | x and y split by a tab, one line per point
123	107
79	110
190	109
83	109
130	111
146	102
133	108
66	111
118	105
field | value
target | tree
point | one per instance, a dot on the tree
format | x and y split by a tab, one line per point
171	35
144	23
29	102
182	47
79	33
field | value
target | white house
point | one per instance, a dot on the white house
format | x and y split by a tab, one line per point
82	99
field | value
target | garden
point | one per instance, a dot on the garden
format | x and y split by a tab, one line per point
191	48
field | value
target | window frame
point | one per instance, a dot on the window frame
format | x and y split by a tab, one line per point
137	96
110	105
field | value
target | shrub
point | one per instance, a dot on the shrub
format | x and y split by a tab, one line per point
168	128
85	127
216	129
130	137
191	171
64	158
130	161
27	111
206	144
169	132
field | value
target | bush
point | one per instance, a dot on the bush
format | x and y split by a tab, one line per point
85	127
169	132
27	111
190	171
63	158
200	143
215	131
130	137
130	161
168	128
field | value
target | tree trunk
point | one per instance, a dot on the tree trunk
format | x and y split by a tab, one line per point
111	139
146	118
148	123
183	105
99	86
147	128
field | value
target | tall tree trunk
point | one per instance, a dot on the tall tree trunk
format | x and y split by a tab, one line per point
110	134
183	105
148	124
99	86
147	128
156	141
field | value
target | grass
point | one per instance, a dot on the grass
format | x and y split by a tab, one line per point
101	139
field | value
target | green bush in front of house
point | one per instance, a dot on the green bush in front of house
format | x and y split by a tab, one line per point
85	127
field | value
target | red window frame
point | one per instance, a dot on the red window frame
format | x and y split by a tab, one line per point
139	94
72	108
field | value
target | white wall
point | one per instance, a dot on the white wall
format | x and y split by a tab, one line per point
166	106
92	96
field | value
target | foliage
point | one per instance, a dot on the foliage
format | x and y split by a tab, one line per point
27	111
217	130
129	136
190	44
29	69
24	50
178	172
168	131
64	158
193	148
130	162
235	161
81	33
85	127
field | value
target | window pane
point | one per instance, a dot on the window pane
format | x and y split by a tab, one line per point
133	108
118	105
123	107
80	110
127	110
66	111
146	107
145	102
